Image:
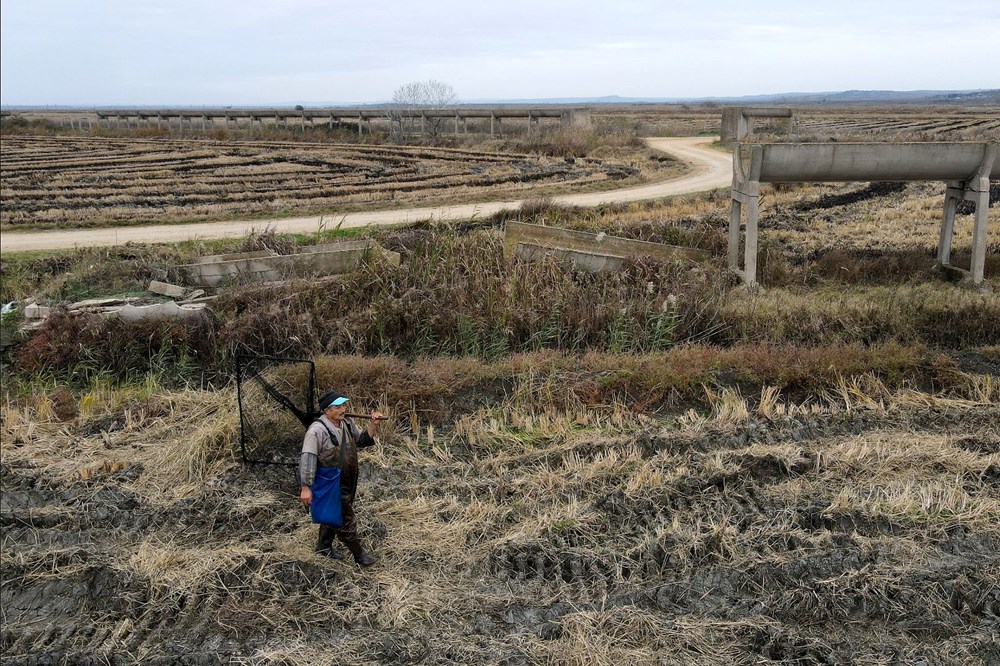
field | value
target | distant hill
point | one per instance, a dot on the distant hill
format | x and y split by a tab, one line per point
972	97
881	97
847	97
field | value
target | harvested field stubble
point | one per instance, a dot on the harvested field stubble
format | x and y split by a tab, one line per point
81	181
817	122
825	531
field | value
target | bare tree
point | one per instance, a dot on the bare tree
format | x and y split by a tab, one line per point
409	100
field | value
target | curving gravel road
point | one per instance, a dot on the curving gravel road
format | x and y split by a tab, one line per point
712	170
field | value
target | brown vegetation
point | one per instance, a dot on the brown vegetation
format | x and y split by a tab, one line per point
537	529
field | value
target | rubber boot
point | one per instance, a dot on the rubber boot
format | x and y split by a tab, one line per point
362	558
365	560
324	544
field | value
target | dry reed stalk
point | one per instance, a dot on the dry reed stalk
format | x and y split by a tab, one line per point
182	569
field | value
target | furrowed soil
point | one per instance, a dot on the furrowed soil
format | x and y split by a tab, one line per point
76	181
786	535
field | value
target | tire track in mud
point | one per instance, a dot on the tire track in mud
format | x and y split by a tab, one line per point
816	577
812	569
101	609
70	597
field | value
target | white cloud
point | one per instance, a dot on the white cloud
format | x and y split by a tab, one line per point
254	51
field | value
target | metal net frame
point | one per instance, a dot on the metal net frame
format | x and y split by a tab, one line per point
277	403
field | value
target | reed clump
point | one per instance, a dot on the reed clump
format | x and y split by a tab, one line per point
458	295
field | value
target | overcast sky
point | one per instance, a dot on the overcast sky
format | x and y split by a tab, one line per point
238	52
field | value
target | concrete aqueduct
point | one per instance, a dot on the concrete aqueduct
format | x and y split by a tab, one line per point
967	168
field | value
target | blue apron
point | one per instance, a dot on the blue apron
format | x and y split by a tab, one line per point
326	507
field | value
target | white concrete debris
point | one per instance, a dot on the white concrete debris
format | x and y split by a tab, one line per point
162	311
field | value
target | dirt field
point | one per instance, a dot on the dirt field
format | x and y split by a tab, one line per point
704	168
823	123
86	181
846	533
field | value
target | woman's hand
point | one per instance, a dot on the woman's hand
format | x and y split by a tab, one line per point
373	424
306	495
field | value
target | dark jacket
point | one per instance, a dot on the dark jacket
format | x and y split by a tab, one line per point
320	449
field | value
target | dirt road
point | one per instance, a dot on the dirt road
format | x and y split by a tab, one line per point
712	169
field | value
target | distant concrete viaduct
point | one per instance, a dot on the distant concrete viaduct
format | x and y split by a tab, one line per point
231	118
967	168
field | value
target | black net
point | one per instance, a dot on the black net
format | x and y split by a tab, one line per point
276	407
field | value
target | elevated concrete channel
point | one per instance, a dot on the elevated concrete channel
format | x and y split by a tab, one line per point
739	121
262	266
591	252
967	168
205	119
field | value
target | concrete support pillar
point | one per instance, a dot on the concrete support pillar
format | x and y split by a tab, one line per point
750	250
456	124
982	199
492	122
730	124
579	117
735	215
748	196
951	198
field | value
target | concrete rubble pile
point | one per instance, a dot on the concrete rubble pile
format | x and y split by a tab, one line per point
130	309
264	266
189	302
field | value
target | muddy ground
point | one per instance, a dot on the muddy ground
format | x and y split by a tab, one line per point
849	537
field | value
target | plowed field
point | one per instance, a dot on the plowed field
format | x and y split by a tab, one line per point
81	181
